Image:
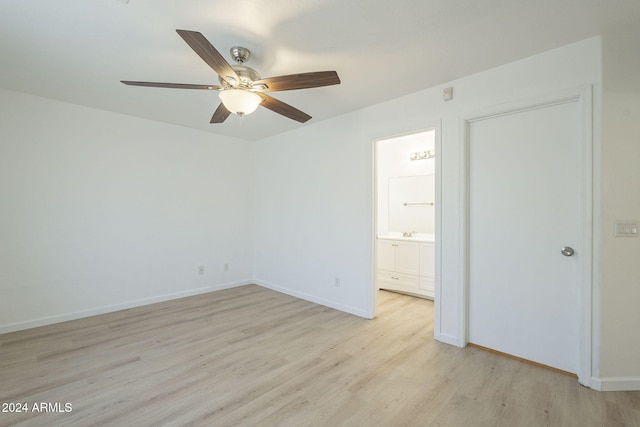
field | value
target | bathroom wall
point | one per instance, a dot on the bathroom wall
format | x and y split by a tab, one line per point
393	163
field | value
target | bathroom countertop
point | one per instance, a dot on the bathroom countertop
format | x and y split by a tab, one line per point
423	238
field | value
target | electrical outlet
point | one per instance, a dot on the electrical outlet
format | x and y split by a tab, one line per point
201	269
226	267
336	282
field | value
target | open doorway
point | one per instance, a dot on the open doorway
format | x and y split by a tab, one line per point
405	214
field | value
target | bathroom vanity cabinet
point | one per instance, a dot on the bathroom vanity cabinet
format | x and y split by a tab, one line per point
406	265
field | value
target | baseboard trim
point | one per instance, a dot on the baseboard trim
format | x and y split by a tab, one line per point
520	359
50	320
312	298
616	383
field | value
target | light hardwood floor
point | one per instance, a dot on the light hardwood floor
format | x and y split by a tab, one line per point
254	357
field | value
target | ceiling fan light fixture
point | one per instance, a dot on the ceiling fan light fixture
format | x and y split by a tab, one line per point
241	88
240	101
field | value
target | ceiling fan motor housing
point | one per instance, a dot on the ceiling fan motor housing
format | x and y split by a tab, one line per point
240	54
247	76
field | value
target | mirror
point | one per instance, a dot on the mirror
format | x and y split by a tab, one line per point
411	204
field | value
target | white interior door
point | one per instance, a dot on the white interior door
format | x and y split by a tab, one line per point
524	207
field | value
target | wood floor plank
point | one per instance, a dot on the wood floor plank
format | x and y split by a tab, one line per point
250	356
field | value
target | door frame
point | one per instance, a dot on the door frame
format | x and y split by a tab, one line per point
435	125
583	96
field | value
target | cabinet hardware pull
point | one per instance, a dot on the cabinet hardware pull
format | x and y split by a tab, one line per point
395	278
418	204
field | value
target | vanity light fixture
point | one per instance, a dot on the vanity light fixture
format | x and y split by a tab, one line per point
422	155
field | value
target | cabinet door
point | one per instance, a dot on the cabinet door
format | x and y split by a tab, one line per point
407	257
427	259
386	255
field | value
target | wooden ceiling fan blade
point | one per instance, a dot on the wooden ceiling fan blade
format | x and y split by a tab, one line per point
220	114
299	81
283	108
209	54
171	85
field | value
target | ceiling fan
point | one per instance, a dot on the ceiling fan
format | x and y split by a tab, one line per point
241	88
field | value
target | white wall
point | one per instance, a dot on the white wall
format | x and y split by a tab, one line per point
620	200
313	207
100	211
314	185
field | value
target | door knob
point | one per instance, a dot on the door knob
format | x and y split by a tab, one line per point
567	251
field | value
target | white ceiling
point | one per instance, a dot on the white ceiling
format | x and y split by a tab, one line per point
79	50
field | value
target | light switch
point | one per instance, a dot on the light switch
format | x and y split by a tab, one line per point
626	229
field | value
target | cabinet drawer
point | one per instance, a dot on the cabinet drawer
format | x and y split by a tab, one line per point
408	282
